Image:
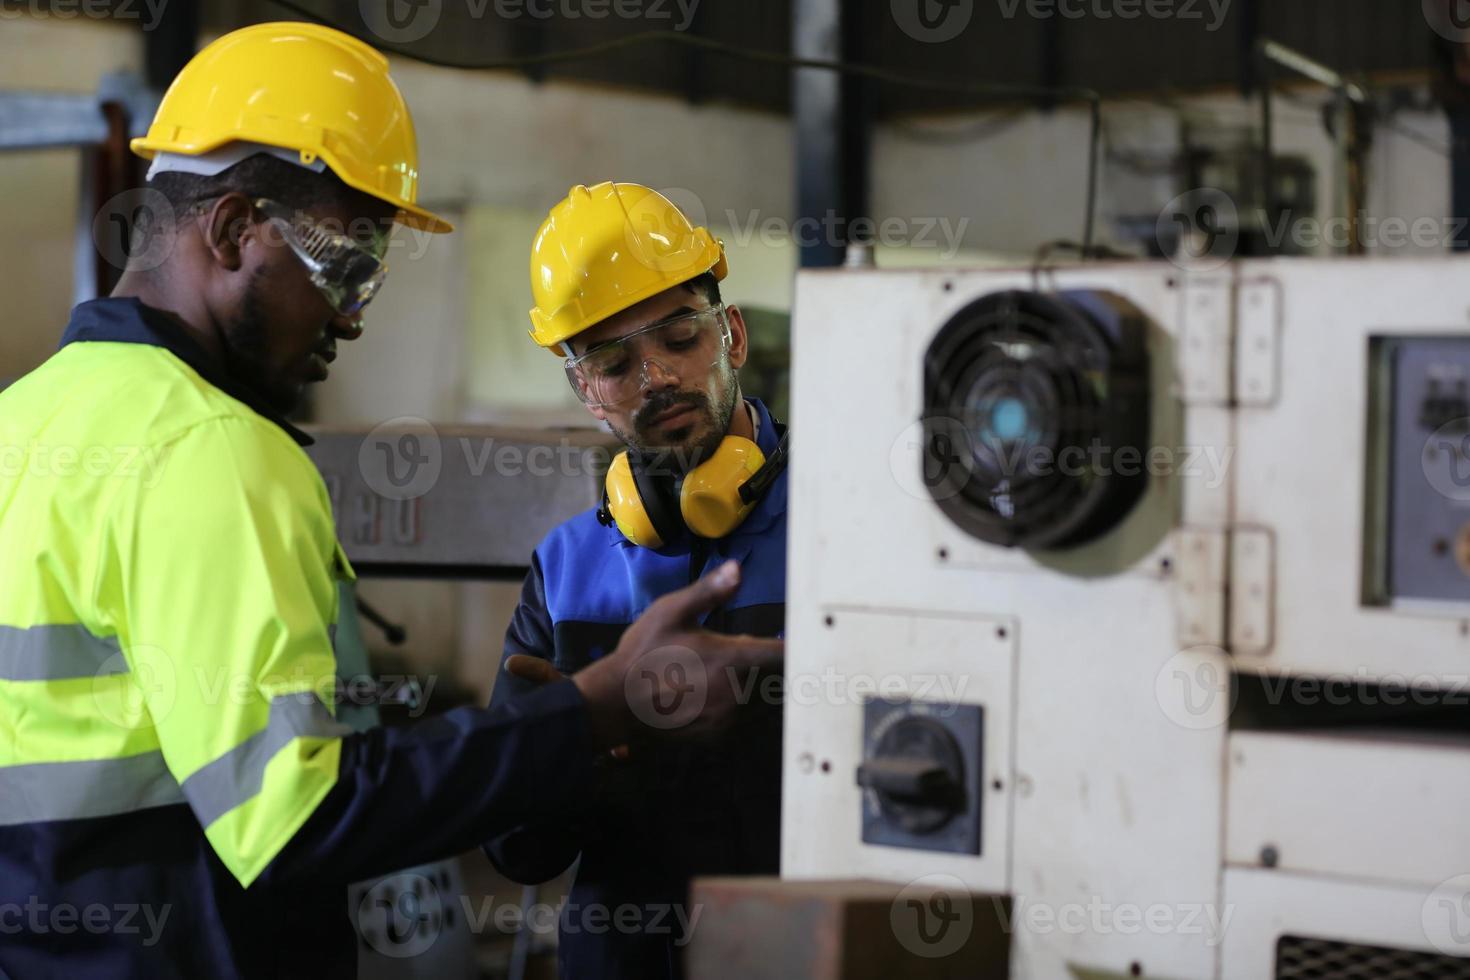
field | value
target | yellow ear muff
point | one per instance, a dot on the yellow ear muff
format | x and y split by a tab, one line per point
625	504
710	498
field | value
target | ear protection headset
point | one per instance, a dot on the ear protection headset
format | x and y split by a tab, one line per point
650	507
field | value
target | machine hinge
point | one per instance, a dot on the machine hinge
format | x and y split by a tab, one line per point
1207	314
1199	586
1252	570
1257	341
1223	588
1230	335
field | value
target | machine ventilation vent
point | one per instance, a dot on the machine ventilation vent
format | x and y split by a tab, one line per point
1303	958
1036	416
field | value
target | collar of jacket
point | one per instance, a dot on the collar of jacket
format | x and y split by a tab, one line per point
773	504
126	320
766	513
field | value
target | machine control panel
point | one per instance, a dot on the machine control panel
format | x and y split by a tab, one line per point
1428	548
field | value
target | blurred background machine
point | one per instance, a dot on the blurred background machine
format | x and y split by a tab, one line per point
1165	666
464	503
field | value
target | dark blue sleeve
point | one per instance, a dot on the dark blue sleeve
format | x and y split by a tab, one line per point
536	850
530	633
410	794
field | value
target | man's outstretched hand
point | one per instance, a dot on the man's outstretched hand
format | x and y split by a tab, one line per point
668	674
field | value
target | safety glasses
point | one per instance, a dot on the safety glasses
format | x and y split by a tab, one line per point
679	349
346	272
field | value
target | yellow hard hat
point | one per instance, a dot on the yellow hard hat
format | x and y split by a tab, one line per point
607	247
303	88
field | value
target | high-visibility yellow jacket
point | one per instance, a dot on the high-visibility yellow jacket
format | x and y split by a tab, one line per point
169	581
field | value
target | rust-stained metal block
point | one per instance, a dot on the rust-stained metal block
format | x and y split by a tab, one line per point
927	929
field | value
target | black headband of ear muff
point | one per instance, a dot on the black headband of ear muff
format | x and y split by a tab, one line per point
755	488
657	486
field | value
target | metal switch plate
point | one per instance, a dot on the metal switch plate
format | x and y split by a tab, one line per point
912	735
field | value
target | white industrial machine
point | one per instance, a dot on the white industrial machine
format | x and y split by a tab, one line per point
1138	597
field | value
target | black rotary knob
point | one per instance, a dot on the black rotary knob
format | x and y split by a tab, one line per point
916	771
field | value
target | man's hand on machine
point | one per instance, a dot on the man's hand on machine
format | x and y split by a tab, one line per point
668	675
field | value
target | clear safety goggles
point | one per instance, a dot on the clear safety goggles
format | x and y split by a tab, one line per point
681	349
346	272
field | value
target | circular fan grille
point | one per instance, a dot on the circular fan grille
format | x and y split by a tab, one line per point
1027	399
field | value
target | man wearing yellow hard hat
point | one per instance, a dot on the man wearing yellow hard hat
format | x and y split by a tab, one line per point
177	797
627	292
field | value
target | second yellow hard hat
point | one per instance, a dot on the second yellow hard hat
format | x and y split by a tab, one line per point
607	247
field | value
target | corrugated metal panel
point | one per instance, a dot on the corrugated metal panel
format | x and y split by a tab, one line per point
1353	35
1004	41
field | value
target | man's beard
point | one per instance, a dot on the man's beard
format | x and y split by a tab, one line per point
247	351
684	456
